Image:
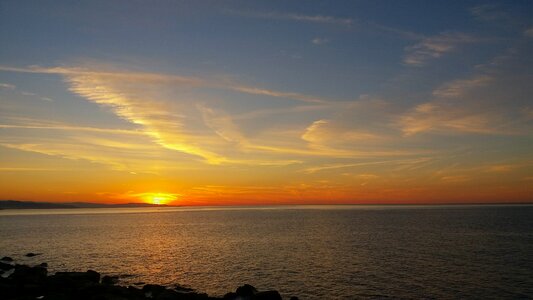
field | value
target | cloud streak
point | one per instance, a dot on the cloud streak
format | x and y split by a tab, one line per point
321	19
435	47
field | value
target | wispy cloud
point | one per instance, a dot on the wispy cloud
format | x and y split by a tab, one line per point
459	87
294	17
489	13
435	47
529	32
7	86
158	78
331	20
391	162
486	103
319	41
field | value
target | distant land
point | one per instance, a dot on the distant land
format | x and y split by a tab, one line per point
14	204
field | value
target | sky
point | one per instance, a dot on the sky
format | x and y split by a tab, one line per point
266	102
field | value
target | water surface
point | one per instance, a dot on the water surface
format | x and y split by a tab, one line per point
314	252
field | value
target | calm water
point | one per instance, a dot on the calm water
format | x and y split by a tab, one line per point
324	252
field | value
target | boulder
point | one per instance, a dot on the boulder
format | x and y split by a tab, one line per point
267	295
246	290
153	290
29	275
109	280
167	295
73	280
5	267
183	289
31	254
6	259
230	296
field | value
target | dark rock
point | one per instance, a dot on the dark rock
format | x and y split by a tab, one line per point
230	296
183	289
6	258
43	265
89	275
119	292
109	280
74	280
167	295
5	267
153	290
294	298
246	290
26	274
31	254
193	296
267	295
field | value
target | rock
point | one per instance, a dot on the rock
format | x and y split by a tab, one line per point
43	265
31	254
74	280
5	267
246	290
29	275
294	298
183	289
167	295
267	295
230	296
90	275
109	280
6	274
6	258
152	290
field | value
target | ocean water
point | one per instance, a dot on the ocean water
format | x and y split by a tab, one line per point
313	252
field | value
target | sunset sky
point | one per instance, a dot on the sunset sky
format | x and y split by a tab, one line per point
270	102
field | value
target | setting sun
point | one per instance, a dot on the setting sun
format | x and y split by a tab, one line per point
158	198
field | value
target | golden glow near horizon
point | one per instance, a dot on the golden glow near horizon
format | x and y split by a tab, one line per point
319	113
158	198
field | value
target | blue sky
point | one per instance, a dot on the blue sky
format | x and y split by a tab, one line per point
373	100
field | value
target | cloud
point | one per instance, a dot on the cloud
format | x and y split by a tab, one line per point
222	124
7	86
435	47
331	20
455	107
294	17
326	131
529	32
489	13
164	109
167	79
277	94
140	104
392	162
458	88
493	101
319	41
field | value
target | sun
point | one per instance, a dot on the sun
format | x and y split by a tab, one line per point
158	198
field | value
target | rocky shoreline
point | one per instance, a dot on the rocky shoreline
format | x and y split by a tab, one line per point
18	281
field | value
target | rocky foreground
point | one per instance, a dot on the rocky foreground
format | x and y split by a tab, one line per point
34	282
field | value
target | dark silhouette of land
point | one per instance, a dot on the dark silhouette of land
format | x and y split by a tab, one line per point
19	282
15	204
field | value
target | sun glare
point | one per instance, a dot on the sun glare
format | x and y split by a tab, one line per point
158	198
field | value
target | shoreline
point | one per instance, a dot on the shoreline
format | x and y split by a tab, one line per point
21	281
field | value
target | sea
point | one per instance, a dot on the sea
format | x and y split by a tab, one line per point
312	252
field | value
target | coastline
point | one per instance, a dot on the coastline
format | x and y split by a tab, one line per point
20	281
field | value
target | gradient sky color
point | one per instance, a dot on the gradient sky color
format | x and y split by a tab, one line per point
244	102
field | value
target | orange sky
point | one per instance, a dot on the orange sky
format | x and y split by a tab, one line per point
191	104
